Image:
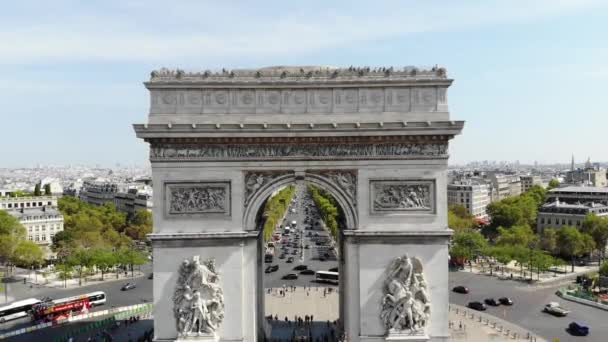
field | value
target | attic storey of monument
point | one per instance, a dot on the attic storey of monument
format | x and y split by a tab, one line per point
376	139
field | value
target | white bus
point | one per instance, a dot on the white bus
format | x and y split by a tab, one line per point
17	309
327	277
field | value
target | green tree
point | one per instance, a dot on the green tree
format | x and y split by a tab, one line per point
11	233
456	222
9	225
27	254
64	271
460	211
548	241
104	259
47	189
140	225
328	208
37	190
570	243
597	227
554	183
131	258
81	260
503	254
604	269
521	235
541	261
467	244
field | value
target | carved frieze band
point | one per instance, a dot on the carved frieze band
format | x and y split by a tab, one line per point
169	152
256	180
402	196
346	180
314	100
197	198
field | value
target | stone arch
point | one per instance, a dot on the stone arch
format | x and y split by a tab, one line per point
256	200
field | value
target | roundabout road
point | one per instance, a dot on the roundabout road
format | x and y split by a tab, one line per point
528	304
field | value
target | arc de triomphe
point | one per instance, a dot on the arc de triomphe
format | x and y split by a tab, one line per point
222	142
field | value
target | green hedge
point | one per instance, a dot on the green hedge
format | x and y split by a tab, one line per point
275	209
327	207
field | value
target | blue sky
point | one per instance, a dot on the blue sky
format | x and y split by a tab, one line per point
530	76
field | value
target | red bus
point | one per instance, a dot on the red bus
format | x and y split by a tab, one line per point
62	308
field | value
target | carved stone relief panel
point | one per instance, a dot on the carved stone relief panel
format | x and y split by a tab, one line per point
320	100
243	101
397	99
197	198
268	101
371	99
402	196
346	100
171	152
293	101
346	180
256	180
163	102
190	102
424	99
216	101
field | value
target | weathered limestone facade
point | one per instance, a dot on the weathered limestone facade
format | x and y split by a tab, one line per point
377	140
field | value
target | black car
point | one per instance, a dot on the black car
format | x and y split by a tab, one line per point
322	258
289	260
274	268
290	276
577	329
333	269
128	286
307	247
300	268
505	301
460	289
307	272
491	302
151	276
268	269
477	306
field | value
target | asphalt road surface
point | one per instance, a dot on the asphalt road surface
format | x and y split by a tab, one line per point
527	308
303	256
115	297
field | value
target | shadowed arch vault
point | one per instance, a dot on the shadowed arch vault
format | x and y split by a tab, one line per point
259	196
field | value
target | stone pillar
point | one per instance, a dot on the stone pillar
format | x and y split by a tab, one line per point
236	261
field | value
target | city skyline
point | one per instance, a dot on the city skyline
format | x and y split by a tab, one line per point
74	82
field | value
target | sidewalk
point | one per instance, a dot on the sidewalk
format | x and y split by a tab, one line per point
52	281
468	325
512	272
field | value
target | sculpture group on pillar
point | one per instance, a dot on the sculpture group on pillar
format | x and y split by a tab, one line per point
406	307
198	299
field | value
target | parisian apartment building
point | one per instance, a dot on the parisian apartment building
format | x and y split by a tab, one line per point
40	217
557	214
471	193
127	196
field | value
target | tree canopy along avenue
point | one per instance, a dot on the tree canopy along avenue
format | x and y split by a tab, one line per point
373	145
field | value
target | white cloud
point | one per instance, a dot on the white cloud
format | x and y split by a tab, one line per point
153	32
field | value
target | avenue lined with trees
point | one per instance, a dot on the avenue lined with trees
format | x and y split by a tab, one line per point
275	209
511	236
328	208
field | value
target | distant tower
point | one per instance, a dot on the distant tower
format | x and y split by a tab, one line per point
572	163
588	163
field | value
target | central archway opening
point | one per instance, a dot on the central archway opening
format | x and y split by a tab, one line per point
300	263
